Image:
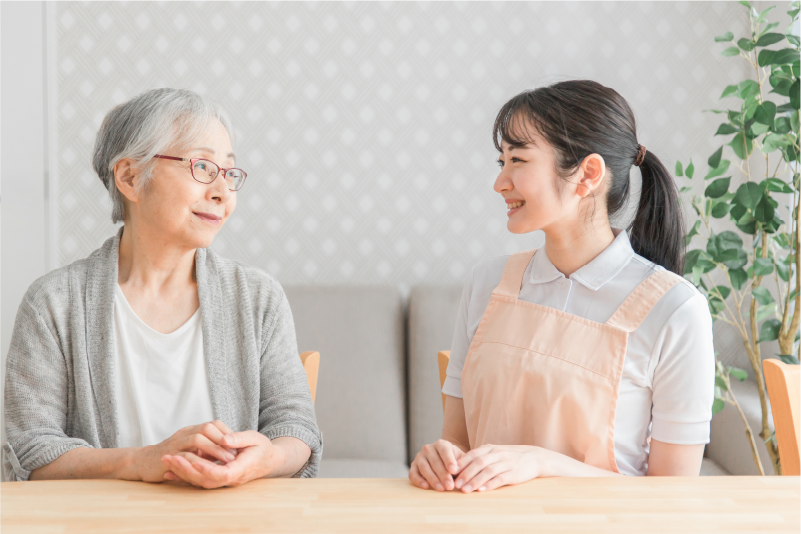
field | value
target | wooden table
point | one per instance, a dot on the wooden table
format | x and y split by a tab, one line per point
683	505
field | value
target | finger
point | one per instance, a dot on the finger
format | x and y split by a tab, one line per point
248	438
169	475
181	466
416	478
474	467
484	476
428	474
445	478
469	457
495	482
200	442
447	452
224	430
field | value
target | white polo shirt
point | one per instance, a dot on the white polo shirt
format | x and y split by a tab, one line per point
667	387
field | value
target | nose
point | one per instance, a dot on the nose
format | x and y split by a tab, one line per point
218	189
503	182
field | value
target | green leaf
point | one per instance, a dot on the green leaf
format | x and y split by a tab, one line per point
693	232
748	88
764	211
776	185
784	56
762	295
741	145
765	57
722	292
746	3
718	405
782	240
769	27
746	44
784	271
735	116
769	330
730	90
719	382
763	266
794	94
765	113
737	373
793	40
758	129
720	210
782	125
738	278
763	312
768	39
714	159
726	129
690	170
726	37
679	169
747	225
718	188
776	141
789	359
764	13
781	86
717	171
749	194
731	51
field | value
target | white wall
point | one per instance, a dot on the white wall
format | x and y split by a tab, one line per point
22	160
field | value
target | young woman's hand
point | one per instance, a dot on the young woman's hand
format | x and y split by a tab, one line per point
257	457
492	466
203	441
436	465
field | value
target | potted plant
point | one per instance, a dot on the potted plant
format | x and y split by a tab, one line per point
750	273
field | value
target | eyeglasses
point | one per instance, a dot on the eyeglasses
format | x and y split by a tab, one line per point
205	171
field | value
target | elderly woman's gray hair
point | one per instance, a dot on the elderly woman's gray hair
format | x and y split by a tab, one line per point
150	124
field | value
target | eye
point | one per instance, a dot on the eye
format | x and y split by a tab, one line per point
500	163
516	160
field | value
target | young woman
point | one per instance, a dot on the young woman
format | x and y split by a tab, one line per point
591	356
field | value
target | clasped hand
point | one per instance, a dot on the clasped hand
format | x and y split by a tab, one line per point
210	455
444	466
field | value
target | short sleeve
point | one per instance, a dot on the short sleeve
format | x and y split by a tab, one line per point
684	377
459	345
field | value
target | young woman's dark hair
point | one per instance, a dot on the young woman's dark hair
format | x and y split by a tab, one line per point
582	117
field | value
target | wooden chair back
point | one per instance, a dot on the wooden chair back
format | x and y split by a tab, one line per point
443	357
784	389
311	364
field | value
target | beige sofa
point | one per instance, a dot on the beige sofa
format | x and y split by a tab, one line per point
378	395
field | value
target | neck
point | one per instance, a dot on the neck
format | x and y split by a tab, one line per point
572	246
150	261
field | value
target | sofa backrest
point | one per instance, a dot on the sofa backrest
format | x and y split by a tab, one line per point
432	317
361	388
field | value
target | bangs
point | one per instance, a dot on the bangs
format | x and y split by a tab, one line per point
516	124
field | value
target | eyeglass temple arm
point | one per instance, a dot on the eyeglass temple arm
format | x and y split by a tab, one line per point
170	157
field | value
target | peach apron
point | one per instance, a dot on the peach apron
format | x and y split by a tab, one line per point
538	376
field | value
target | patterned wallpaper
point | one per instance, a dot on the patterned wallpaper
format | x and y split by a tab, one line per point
365	127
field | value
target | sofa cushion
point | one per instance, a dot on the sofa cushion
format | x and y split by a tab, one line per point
361	388
432	317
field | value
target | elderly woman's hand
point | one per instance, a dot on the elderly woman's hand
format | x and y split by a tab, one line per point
205	440
257	457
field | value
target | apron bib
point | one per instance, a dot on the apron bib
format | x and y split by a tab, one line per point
538	376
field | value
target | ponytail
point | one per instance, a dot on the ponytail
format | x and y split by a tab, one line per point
657	232
582	117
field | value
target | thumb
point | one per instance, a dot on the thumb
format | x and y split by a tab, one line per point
248	438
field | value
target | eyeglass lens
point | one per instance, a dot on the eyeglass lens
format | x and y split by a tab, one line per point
206	171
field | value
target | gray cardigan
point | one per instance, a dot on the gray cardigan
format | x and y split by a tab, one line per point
59	389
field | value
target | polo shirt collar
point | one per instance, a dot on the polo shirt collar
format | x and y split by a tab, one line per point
595	274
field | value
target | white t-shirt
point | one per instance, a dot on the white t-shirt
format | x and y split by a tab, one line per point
160	380
667	387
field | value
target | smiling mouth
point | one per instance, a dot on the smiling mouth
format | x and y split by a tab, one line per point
210	217
513	205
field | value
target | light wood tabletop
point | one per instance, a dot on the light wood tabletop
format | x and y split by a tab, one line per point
683	505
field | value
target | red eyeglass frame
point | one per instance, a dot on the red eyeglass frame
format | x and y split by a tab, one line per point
192	169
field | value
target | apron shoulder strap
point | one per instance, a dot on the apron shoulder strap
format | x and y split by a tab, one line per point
513	274
641	301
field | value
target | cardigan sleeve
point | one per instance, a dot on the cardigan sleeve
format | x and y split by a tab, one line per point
36	390
285	407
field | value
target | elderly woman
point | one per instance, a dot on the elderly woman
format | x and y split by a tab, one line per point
154	358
